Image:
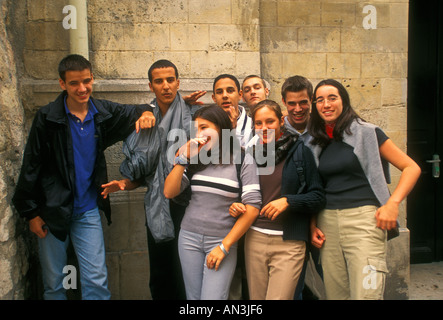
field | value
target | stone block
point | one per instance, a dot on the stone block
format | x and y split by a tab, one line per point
138	11
6	283
210	11
319	39
113	266
129	37
278	39
338	14
343	65
35	68
268	13
182	60
134	276
379	40
308	65
117	234
271	64
211	64
166	11
115	11
121	64
247	63
398	279
245	12
394	91
46	36
384	65
399	15
299	13
47	10
234	38
364	93
192	37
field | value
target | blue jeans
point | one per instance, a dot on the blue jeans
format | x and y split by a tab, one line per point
87	239
202	283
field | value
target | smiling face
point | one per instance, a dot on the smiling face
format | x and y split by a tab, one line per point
226	94
267	124
208	130
165	86
329	104
298	105
78	85
254	91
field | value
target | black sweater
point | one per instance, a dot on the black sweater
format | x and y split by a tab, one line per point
301	206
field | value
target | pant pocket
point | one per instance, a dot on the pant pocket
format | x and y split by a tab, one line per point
374	278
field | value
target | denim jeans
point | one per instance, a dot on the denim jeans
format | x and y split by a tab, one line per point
86	235
201	282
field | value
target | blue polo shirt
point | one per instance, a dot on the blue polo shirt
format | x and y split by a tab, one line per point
84	142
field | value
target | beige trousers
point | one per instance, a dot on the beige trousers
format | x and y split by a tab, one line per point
353	256
273	266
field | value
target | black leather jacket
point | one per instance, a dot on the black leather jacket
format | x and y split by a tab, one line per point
46	183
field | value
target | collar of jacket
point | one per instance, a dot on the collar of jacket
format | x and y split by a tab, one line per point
57	111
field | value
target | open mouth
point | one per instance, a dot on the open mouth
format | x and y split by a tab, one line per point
299	117
83	95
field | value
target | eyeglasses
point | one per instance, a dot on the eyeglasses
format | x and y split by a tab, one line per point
322	100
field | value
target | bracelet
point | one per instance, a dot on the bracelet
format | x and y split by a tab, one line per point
222	247
181	160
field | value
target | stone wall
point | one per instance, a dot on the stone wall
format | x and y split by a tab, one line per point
319	39
14	252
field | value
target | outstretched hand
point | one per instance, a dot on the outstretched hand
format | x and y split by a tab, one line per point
113	186
233	116
192	99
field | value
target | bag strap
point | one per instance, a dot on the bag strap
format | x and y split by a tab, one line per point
238	168
300	165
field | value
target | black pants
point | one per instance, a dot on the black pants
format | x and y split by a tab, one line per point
166	278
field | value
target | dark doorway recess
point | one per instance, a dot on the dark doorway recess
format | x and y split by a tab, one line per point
425	128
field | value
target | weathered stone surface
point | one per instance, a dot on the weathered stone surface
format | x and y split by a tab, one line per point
13	265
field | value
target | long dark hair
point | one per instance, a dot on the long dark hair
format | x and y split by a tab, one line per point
317	128
220	118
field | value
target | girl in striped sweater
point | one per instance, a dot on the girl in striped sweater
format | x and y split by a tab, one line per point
209	234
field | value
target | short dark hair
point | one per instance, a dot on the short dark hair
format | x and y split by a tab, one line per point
163	63
296	84
73	62
254	76
225	75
